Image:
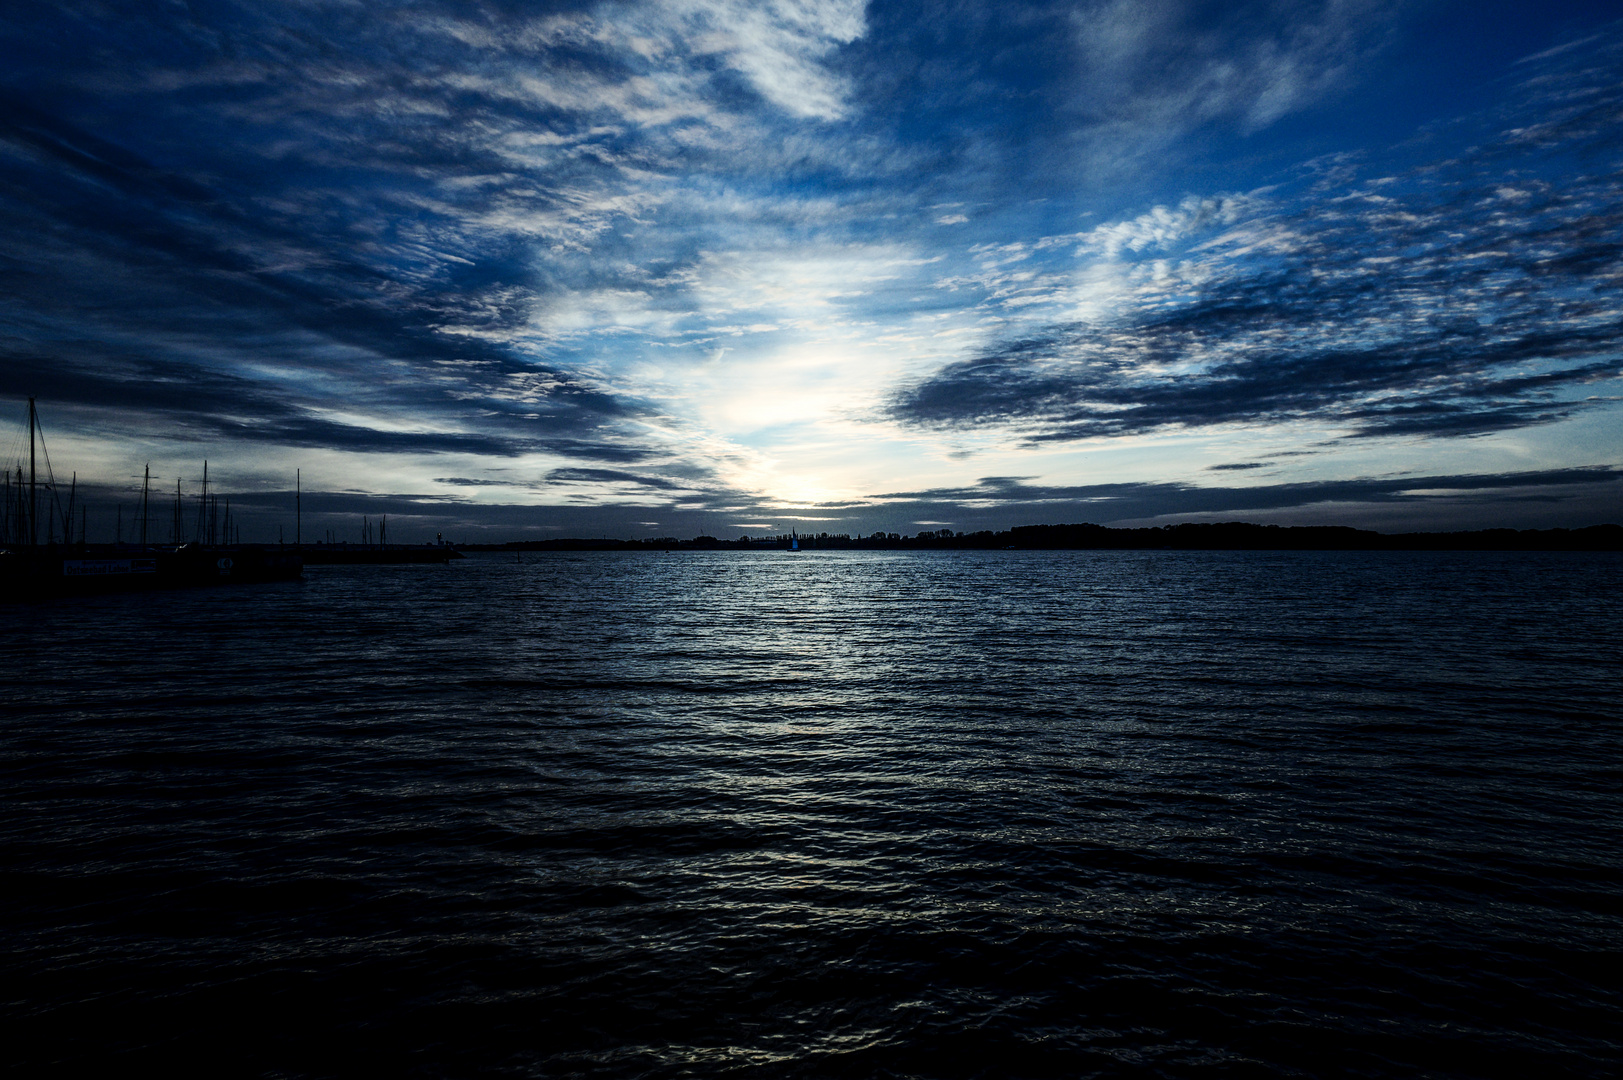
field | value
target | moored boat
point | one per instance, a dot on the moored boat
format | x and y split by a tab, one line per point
83	570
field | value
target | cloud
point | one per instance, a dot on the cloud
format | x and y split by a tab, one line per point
1469	295
238	322
685	253
371	214
996	499
778	46
650	64
467	481
1150	71
611	476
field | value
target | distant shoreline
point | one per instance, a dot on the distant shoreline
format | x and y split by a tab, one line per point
1191	536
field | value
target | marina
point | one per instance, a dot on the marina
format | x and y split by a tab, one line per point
44	552
40	558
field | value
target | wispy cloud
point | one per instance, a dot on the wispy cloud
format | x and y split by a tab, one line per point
1471	294
1162	67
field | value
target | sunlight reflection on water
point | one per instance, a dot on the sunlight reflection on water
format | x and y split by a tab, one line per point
848	814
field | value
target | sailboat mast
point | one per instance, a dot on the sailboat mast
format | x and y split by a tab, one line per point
33	483
202	506
298	508
146	486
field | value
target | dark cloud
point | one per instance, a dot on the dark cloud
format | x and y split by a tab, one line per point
1562	496
611	476
236	304
996	489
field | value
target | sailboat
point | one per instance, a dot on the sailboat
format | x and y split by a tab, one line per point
32	570
794	541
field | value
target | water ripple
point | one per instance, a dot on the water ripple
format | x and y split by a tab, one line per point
841	814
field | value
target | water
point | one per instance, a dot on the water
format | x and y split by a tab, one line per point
831	814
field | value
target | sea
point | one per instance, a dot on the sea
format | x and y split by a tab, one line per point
823	814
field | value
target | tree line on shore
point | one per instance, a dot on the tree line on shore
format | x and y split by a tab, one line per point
1215	536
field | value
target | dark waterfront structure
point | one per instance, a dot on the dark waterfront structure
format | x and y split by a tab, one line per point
84	570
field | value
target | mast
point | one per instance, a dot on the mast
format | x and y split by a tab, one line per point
298	508
33	483
202	506
146	486
67	520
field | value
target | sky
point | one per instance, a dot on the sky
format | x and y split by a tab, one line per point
526	270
